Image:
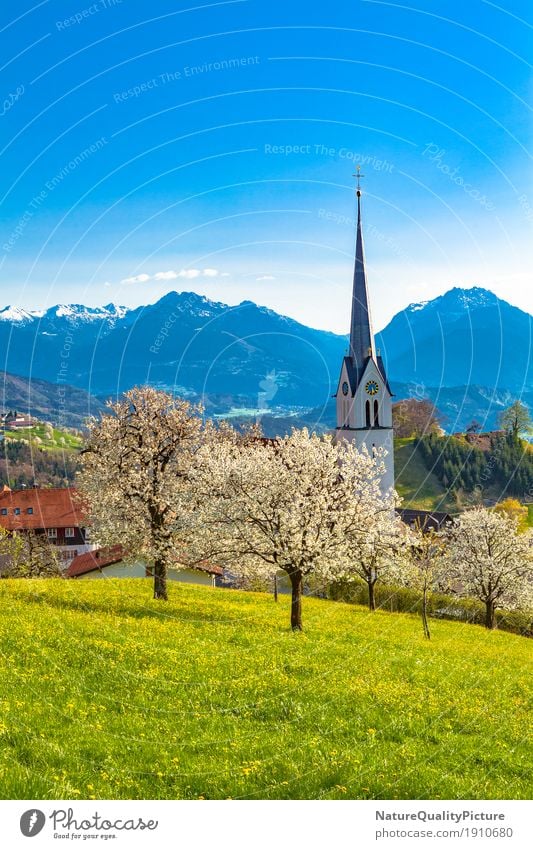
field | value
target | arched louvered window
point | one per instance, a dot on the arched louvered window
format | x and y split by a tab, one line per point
367	414
376	414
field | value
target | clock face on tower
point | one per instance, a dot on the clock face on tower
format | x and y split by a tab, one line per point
345	388
372	387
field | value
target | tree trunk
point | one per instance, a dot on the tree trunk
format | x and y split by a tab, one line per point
160	580
490	619
296	600
275	587
425	623
371	595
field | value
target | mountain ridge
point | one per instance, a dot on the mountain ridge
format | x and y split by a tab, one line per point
62	404
248	356
476	296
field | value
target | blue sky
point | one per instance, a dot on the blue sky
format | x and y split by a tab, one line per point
211	146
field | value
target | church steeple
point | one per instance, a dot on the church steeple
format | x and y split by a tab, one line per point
361	333
363	397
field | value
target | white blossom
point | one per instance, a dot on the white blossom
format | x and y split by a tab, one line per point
296	504
135	480
491	561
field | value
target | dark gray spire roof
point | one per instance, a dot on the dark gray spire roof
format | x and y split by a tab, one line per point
361	333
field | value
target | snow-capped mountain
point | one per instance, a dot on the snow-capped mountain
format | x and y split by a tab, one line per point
77	312
72	312
16	315
226	355
456	301
464	337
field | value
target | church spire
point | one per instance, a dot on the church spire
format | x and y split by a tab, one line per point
361	333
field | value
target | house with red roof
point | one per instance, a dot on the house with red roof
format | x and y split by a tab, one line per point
111	563
59	514
16	421
483	441
55	512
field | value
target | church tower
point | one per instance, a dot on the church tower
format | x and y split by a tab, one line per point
364	399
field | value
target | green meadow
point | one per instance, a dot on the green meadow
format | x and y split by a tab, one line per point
47	439
418	487
105	693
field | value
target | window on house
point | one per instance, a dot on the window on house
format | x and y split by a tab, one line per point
376	414
4	511
69	532
367	414
30	510
16	511
51	533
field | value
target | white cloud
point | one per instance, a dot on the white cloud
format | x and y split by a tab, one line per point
186	273
189	273
166	275
266	277
140	278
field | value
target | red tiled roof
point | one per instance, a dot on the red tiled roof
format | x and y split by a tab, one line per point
52	508
92	560
210	568
482	441
13	424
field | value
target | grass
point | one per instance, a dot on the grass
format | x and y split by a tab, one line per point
416	485
52	439
108	694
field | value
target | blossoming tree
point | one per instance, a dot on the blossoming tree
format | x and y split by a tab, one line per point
135	479
289	504
491	561
28	555
427	567
377	555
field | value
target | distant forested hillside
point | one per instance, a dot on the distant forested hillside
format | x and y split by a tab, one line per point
24	465
506	468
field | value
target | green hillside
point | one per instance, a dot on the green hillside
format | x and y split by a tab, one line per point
41	455
46	438
108	694
418	487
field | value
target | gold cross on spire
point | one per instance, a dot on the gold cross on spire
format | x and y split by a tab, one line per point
358	175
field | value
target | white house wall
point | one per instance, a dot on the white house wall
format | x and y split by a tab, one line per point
138	570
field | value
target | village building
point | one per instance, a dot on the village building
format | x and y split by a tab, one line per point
54	512
58	514
364	398
13	420
426	520
484	441
111	563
